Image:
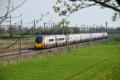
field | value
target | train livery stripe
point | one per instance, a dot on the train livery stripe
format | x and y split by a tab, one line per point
43	44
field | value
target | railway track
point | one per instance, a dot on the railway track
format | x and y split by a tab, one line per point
31	51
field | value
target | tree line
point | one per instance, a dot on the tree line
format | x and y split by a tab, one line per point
39	30
55	30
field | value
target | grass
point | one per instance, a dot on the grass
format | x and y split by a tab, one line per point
7	36
9	41
100	62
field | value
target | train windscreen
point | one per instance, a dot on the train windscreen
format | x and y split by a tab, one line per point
39	39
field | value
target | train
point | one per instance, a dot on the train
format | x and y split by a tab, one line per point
47	41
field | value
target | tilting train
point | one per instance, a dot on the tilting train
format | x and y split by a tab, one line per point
45	41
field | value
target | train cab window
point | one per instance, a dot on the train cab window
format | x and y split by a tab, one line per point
51	40
39	39
60	39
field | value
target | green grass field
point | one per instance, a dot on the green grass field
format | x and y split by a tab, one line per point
14	37
100	62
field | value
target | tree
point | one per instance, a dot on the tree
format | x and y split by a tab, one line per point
76	30
2	30
118	29
13	30
69	30
9	9
66	8
25	29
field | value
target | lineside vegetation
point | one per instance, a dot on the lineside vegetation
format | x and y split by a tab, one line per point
101	62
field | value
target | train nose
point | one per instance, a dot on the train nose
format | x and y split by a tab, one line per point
38	45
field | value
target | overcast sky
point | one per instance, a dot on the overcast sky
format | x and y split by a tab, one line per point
32	9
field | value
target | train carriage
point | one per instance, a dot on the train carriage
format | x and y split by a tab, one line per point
88	36
49	41
82	37
70	38
58	40
76	38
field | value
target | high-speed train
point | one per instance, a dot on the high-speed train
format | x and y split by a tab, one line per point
45	41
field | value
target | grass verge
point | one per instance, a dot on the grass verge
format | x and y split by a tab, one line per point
94	63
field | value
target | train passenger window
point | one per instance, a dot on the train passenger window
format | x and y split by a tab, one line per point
51	40
60	39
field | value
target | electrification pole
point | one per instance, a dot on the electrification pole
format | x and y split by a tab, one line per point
34	27
63	28
21	39
10	27
44	25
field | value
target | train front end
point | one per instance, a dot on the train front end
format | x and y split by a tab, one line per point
39	42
